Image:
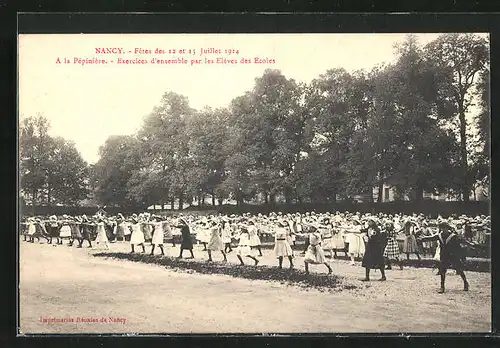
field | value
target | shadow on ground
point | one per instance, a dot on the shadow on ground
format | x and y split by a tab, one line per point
294	277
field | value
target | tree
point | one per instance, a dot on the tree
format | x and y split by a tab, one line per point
68	174
338	114
207	133
266	125
31	157
118	159
465	56
422	155
51	169
165	149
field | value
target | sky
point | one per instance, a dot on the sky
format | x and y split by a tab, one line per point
88	103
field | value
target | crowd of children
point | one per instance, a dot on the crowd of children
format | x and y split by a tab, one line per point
379	239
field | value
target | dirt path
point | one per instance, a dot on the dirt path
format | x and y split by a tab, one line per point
63	282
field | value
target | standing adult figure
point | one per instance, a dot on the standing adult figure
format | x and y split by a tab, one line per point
373	257
186	238
451	253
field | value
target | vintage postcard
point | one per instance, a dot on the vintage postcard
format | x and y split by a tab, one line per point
254	183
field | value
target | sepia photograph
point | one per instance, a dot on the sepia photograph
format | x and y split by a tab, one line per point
254	183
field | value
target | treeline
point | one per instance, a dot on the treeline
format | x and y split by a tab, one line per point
402	124
51	169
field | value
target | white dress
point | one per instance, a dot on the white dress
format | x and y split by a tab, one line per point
356	243
126	228
244	245
203	234
338	240
65	231
101	233
314	253
226	234
137	236
157	234
327	239
167	231
31	229
254	237
281	245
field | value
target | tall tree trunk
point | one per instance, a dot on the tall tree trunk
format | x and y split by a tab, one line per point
181	201
380	193
369	193
172	204
419	193
288	195
33	202
213	200
272	198
239	201
463	153
48	195
162	205
239	198
299	198
220	202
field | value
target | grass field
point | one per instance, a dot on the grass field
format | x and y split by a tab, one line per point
133	297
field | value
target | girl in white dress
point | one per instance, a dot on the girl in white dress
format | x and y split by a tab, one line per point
244	247
215	243
147	228
101	233
338	240
327	238
254	236
167	232
137	235
65	231
157	239
314	253
355	239
282	247
127	233
226	236
31	230
203	234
